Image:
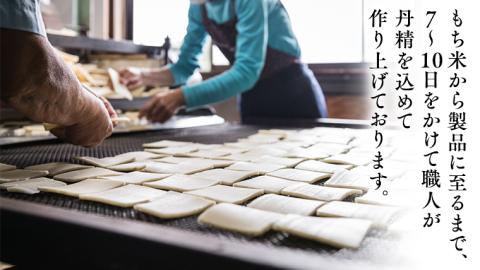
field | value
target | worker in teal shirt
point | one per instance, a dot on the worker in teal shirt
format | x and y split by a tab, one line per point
257	38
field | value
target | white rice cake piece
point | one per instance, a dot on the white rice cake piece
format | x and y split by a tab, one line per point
269	184
226	177
381	216
227	194
336	232
175	150
409	198
181	168
130	167
30	186
286	205
55	168
214	163
137	177
241	219
352	159
20	174
106	162
319	166
140	155
211	153
266	150
330	148
299	175
179	182
306	153
202	146
124	196
304	138
164	144
174	205
349	179
264	138
176	160
275	131
79	175
6	167
255	167
321	193
288	162
230	150
245	146
247	157
83	187
336	138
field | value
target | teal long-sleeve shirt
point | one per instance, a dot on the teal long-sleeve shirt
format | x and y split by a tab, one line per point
260	24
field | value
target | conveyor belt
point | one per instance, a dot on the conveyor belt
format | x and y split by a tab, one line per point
29	154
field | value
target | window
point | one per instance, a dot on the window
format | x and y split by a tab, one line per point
328	31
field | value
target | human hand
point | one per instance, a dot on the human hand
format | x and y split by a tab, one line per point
94	127
132	77
162	106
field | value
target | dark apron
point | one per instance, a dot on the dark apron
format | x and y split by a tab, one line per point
287	88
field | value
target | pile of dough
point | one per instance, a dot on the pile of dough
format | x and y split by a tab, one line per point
180	168
30	186
179	182
124	196
268	183
174	205
241	219
306	153
175	150
20	174
379	215
6	167
285	205
226	177
352	159
300	175
255	167
106	162
139	155
322	193
83	187
319	166
289	162
349	179
164	144
75	176
336	232
55	168
137	177
221	193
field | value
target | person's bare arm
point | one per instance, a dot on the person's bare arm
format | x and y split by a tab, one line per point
37	83
135	77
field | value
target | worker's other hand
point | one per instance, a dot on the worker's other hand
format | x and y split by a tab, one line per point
95	127
132	77
162	106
